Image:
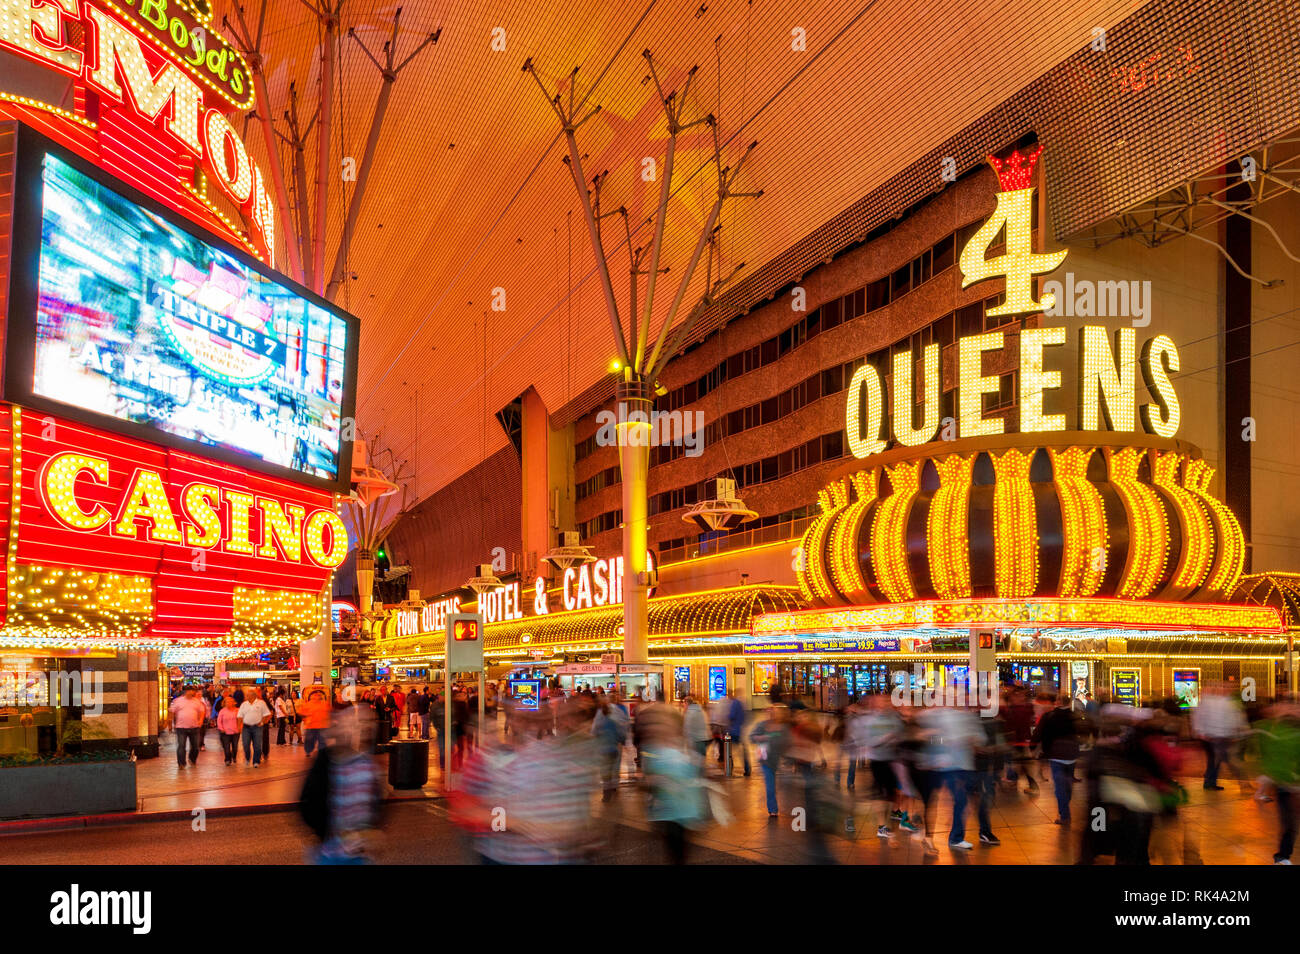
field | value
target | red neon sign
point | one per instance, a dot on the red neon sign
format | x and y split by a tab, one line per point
146	103
96	501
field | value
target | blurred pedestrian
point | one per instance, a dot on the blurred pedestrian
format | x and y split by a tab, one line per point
254	716
188	715
771	737
609	728
343	792
281	717
1057	735
878	732
228	728
736	729
1220	723
315	711
677	797
1279	743
695	726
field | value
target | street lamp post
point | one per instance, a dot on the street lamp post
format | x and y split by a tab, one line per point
641	357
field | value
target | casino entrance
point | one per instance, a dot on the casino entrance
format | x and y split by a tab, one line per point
831	686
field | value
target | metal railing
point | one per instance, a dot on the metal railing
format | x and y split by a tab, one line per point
776	533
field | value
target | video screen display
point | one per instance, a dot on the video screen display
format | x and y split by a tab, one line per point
142	322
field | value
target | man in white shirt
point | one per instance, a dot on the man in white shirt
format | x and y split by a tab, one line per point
1220	722
253	714
188	715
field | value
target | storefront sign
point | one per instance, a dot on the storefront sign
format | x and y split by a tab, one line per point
1107	398
188	546
1126	687
866	644
431	618
1107	379
599	583
92	494
119	59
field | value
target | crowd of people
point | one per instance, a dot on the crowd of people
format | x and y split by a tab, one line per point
245	716
528	791
1129	761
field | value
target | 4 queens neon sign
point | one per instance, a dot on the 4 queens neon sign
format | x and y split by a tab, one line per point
205	516
113	64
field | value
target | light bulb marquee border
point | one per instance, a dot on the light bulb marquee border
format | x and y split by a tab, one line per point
1023	518
1036	614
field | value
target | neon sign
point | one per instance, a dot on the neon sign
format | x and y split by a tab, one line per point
71	487
1107	395
1018	264
599	583
1107	375
114	65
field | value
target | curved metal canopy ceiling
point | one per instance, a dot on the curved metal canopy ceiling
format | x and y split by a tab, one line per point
468	195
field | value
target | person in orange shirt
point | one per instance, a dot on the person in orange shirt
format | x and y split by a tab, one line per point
315	712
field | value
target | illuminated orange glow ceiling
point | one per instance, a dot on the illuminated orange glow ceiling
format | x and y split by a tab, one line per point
468	192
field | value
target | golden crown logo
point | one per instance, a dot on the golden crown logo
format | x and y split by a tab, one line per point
1018	264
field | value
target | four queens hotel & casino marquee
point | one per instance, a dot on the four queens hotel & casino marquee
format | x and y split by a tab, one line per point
172	435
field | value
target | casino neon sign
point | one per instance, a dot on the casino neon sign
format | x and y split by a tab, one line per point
113	63
1107	365
203	515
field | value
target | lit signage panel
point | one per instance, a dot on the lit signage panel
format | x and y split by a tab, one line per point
142	325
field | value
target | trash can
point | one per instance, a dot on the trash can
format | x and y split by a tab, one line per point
408	763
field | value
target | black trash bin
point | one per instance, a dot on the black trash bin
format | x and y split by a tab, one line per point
408	763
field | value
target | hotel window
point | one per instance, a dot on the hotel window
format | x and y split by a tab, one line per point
900	283
944	254
876	295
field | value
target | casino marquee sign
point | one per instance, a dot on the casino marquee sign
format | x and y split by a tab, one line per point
1102	511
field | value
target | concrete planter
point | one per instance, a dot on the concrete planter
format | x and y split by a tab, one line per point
86	788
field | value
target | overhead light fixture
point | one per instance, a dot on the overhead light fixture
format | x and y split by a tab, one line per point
368	483
484	581
723	511
569	552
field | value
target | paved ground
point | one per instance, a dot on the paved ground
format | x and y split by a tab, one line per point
414	833
1223	827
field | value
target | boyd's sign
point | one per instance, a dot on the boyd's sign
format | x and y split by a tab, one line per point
117	57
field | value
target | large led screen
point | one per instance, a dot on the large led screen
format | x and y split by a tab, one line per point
143	322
